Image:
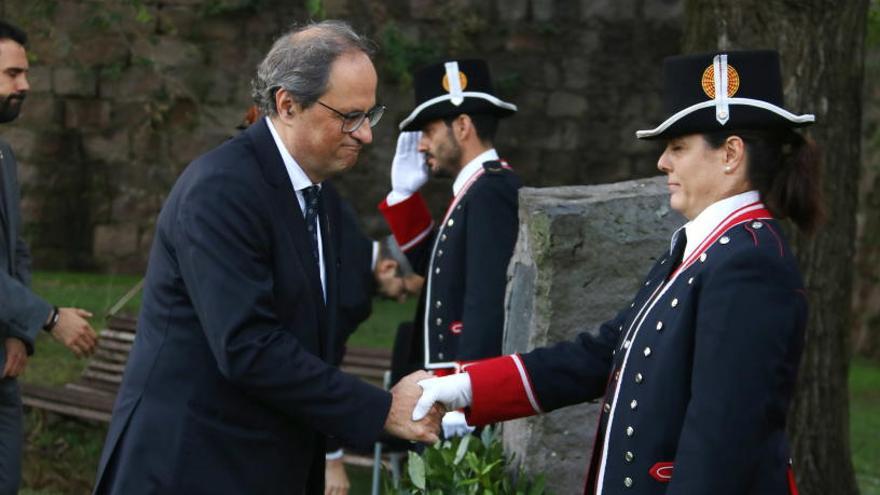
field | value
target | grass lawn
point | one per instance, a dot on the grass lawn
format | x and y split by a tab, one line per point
61	454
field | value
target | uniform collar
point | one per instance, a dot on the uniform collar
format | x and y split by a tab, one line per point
471	168
298	178
699	228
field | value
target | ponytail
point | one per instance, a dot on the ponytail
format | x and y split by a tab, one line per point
784	167
796	191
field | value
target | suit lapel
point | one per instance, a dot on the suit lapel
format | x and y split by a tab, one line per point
285	202
331	243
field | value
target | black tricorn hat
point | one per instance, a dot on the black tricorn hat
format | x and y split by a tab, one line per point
723	90
452	88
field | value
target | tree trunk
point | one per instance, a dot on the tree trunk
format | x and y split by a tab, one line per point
866	300
822	47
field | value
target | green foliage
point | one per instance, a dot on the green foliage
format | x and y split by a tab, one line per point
402	55
864	389
874	24
315	8
465	465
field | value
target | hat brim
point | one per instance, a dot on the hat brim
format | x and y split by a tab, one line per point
745	113
472	103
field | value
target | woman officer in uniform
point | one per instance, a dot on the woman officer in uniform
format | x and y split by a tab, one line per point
698	372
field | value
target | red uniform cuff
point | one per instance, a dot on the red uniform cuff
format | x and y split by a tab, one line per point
501	389
410	220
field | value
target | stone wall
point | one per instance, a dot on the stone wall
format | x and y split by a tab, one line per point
126	92
580	256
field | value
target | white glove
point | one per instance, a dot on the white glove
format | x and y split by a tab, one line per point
455	425
408	169
453	391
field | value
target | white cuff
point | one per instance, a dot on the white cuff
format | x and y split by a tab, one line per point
332	456
395	197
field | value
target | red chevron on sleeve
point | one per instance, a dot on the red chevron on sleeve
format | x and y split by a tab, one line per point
501	390
410	220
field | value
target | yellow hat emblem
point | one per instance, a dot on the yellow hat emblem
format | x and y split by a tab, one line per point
462	79
709	81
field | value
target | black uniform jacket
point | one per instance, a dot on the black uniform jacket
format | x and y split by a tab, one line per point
697	373
227	389
464	260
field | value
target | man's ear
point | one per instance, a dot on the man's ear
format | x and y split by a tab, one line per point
286	106
462	127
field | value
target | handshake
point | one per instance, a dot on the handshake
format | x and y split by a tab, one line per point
420	403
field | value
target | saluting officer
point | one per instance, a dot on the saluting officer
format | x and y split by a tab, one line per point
460	315
698	371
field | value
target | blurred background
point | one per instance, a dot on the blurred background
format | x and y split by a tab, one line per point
124	93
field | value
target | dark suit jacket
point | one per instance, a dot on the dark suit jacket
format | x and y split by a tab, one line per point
22	313
227	388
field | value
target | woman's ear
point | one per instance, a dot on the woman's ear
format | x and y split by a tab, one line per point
734	154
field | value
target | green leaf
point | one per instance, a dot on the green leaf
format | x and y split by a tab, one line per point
538	486
462	449
487	436
416	470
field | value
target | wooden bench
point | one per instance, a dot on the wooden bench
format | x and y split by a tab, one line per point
92	396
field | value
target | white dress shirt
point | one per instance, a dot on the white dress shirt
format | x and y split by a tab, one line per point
700	227
300	181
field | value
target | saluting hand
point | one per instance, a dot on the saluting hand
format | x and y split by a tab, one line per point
408	169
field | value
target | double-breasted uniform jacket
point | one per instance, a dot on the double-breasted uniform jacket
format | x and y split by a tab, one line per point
228	388
697	372
460	315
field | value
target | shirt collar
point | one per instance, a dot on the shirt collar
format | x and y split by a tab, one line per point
471	168
700	227
298	178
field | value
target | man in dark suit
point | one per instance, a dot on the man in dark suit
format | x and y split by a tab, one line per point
22	312
460	316
228	388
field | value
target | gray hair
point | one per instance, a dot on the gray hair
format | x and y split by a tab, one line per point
300	63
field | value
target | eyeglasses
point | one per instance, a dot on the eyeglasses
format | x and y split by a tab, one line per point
352	121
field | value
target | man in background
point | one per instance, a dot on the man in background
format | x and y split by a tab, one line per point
22	312
450	133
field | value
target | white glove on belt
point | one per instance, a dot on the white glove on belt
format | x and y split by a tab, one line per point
453	391
408	169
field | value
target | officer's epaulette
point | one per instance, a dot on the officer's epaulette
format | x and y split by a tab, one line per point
493	166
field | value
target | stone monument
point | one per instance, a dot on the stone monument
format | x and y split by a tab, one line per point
581	254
